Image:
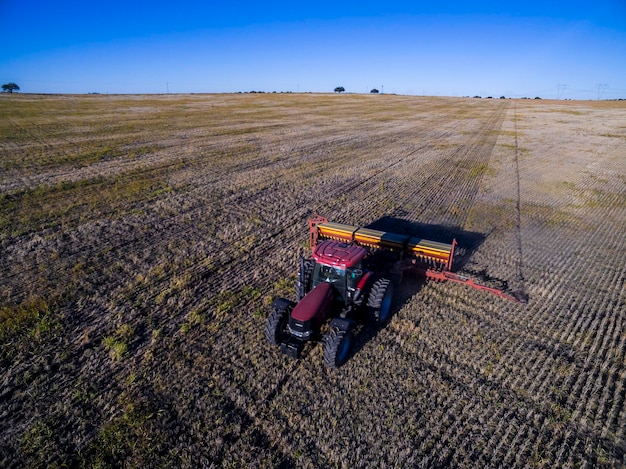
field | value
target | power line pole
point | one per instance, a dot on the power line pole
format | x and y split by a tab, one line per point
560	89
601	89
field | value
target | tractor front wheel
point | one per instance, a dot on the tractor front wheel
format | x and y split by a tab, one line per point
337	347
276	327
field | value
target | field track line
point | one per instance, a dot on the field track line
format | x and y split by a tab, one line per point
520	251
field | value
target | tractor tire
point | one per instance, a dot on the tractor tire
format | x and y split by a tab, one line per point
337	347
276	327
380	301
305	274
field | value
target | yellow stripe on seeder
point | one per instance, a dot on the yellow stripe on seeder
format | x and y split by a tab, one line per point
376	239
420	249
337	231
432	249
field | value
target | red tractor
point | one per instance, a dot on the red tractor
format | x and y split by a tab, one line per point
348	281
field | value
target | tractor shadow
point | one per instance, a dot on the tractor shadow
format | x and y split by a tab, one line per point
467	243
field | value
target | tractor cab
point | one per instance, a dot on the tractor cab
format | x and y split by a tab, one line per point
339	264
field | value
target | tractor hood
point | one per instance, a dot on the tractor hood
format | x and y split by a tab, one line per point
315	302
338	254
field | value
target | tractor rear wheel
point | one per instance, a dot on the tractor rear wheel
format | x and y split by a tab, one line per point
337	346
276	327
380	301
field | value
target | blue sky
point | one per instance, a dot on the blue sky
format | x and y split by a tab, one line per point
554	49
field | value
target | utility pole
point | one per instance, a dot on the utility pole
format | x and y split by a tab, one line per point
601	89
560	89
167	85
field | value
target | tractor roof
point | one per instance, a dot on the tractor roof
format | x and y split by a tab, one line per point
338	254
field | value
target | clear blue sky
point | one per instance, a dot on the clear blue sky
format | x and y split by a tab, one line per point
552	49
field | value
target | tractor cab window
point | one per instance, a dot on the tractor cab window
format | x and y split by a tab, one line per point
333	275
329	274
345	281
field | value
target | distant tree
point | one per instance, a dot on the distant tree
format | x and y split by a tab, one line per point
10	87
340	89
374	91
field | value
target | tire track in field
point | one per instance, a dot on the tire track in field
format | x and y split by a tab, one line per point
34	136
518	213
34	130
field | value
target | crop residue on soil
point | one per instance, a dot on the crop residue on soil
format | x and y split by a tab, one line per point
142	239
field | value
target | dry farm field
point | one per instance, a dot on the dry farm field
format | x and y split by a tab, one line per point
142	239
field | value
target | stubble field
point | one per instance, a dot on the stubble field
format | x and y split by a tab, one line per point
143	237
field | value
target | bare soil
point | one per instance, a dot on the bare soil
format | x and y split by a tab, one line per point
142	239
